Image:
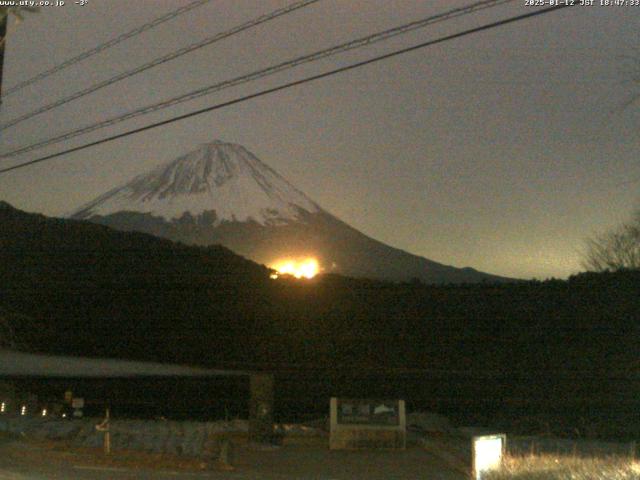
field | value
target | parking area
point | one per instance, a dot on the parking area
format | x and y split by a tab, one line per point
22	459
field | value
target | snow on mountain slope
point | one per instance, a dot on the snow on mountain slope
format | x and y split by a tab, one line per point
222	180
222	194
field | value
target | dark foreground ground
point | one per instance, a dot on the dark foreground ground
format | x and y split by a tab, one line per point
27	460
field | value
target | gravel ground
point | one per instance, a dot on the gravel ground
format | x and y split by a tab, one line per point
317	463
28	460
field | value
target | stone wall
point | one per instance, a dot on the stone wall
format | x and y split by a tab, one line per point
194	439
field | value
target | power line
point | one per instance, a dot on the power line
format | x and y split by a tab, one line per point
114	41
360	42
291	84
160	60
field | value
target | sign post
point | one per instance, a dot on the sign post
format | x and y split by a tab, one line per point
261	407
104	427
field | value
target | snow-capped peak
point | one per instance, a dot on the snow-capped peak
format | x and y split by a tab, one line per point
219	177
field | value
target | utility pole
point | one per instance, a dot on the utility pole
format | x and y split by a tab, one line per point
3	38
4	22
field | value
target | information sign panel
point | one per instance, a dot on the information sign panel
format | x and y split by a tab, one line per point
360	423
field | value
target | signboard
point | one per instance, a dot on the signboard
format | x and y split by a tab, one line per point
487	452
360	423
369	412
77	404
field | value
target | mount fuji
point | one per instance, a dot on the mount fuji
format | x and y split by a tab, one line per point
221	193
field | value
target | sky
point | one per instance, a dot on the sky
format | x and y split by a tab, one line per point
503	150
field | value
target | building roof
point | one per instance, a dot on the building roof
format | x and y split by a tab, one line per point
20	364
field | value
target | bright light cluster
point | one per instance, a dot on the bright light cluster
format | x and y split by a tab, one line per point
307	268
488	451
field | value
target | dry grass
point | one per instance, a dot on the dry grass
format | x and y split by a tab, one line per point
552	467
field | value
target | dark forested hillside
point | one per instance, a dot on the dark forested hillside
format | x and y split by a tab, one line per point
100	292
90	290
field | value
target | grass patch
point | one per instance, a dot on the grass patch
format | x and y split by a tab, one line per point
553	467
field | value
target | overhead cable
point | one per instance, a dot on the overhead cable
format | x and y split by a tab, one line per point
103	46
159	61
290	84
353	44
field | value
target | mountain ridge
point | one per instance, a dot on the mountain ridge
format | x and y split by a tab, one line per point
226	175
221	193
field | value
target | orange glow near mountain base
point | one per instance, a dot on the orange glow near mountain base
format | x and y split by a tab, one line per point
306	268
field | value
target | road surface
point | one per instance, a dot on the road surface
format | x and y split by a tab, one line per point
26	460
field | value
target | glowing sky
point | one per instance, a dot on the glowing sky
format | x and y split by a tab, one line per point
502	151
